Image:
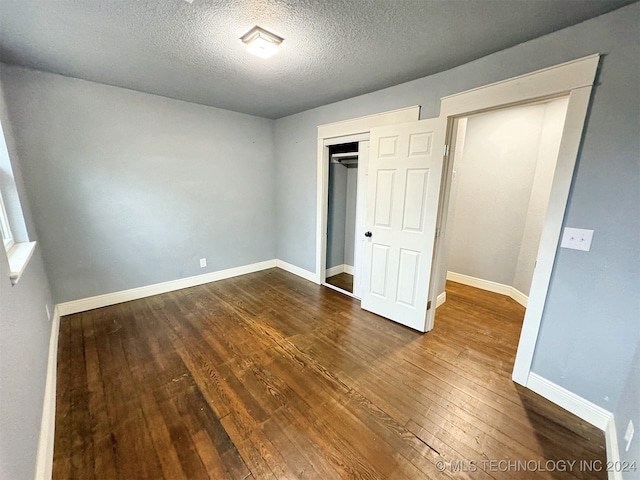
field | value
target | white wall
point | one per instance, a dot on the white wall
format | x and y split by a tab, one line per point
494	179
500	192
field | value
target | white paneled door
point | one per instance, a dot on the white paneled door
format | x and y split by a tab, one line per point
405	169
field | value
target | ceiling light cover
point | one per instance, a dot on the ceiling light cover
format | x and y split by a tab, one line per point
260	42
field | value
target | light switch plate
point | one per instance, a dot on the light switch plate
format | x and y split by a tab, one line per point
577	239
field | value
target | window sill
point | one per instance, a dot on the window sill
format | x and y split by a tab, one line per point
19	255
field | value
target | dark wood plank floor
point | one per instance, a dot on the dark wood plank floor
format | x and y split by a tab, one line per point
343	281
268	376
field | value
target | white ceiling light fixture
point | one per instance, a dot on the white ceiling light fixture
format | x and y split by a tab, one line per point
260	42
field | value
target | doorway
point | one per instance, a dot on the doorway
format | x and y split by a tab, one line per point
502	167
349	131
342	210
572	79
346	207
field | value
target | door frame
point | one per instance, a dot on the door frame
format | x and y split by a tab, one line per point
351	130
574	80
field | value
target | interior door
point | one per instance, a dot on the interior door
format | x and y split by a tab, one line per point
405	169
361	209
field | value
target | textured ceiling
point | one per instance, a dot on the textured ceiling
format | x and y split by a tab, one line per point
333	49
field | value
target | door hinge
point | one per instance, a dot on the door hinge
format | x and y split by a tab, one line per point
446	150
437	232
429	305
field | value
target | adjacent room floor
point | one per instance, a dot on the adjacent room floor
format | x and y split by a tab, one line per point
270	376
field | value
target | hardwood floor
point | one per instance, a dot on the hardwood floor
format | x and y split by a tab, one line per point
269	376
343	281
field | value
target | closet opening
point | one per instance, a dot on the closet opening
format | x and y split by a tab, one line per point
345	215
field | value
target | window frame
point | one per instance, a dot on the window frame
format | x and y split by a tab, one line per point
5	227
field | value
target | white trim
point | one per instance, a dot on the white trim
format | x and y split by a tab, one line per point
575	79
84	304
479	283
19	255
338	269
301	272
613	452
354	126
441	299
589	412
584	409
550	237
340	290
346	128
44	459
5	228
490	286
552	81
519	297
359	137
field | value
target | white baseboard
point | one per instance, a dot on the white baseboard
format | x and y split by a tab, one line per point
490	286
301	272
571	402
519	297
589	412
44	459
84	304
338	289
344	268
613	453
338	269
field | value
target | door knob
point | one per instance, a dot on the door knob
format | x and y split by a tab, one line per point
368	234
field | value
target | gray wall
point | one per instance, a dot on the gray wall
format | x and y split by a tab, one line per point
24	345
336	214
341	215
130	189
590	326
629	409
350	218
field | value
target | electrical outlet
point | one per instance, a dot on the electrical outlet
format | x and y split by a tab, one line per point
577	239
46	307
203	262
628	436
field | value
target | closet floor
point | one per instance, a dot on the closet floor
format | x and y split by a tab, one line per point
343	281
